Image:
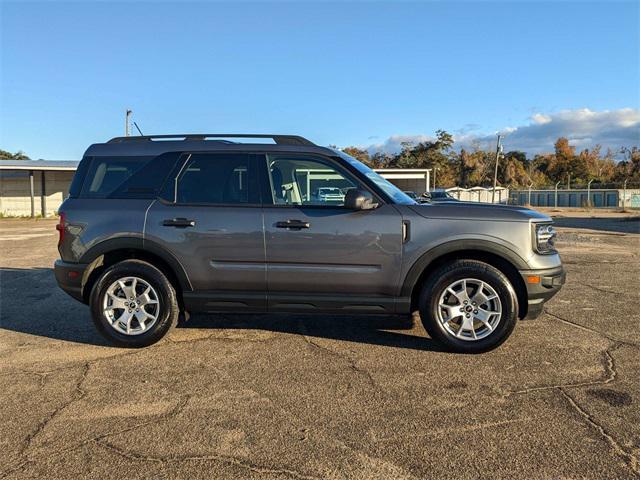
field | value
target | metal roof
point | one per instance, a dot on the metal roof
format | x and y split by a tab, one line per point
40	165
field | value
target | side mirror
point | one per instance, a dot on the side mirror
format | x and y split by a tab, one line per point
425	197
359	200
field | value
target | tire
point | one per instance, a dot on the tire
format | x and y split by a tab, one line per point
468	327
149	317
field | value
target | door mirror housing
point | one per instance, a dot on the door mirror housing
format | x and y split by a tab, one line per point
356	199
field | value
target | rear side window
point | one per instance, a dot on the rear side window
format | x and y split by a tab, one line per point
127	177
217	179
78	177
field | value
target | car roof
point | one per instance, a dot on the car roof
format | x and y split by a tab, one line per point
153	145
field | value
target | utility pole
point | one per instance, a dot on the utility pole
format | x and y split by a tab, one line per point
569	181
127	116
589	192
495	172
557	183
624	196
435	169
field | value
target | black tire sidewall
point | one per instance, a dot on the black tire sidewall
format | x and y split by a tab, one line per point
168	305
460	269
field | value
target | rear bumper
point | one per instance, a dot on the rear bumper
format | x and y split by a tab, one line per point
70	277
541	289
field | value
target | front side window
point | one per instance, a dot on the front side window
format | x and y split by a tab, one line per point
306	181
224	179
393	192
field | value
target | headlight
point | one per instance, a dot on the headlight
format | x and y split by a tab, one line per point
545	237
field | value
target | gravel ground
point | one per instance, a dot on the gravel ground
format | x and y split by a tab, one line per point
292	396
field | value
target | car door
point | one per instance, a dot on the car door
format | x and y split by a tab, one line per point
210	220
319	254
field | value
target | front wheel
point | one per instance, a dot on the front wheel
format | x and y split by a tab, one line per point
133	304
469	306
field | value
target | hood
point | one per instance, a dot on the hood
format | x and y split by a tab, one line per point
479	211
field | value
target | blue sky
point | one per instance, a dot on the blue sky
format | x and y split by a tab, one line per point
339	73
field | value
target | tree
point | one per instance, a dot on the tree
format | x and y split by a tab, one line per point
629	167
19	155
358	154
512	170
566	162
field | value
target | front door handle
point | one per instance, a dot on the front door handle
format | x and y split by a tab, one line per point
179	222
293	224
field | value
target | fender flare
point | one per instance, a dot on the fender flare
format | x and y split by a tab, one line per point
137	243
479	245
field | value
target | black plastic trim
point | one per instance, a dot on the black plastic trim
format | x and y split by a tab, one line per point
137	243
428	257
71	286
551	281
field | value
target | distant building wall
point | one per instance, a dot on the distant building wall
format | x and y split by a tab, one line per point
15	199
597	198
480	194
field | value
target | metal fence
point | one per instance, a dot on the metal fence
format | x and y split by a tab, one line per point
596	198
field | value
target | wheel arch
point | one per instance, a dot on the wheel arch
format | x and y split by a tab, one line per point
112	251
494	254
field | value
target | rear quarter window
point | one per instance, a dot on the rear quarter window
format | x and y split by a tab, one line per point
126	177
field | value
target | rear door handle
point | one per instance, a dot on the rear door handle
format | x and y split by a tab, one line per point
293	224
179	222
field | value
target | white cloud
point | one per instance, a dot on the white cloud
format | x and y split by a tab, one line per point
583	127
540	118
393	144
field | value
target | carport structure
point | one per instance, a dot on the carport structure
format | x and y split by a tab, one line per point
19	187
417	180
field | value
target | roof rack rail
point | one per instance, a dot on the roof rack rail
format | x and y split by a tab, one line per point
278	139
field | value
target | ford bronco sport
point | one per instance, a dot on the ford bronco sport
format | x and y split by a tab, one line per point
159	226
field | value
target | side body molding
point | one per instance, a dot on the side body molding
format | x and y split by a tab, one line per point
477	245
137	243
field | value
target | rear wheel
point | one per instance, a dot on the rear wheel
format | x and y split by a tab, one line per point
133	304
469	306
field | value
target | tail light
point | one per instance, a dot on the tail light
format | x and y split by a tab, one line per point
61	227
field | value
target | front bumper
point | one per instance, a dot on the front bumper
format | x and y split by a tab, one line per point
70	277
541	285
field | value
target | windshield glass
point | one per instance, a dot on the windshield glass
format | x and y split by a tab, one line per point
397	195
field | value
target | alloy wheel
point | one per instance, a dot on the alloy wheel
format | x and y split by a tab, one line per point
469	309
131	306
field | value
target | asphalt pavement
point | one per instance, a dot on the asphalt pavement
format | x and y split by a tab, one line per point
295	396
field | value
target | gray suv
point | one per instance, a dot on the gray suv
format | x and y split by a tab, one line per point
156	227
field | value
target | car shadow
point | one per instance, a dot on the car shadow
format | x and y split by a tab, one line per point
381	330
32	303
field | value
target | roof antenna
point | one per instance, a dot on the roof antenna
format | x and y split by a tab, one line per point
138	128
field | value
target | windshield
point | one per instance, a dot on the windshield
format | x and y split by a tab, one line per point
397	195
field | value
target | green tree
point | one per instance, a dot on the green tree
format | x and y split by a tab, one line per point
19	155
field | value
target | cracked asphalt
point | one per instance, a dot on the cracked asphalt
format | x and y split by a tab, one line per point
292	396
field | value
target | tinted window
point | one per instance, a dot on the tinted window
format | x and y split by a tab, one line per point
78	177
106	174
217	179
306	181
147	181
124	177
